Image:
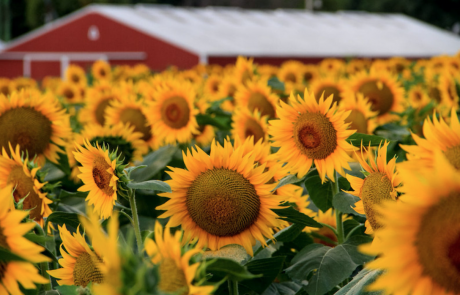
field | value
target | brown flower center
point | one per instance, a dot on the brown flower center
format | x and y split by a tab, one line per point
137	118
438	243
435	94
75	78
223	202
329	90
453	155
100	110
253	128
101	176
379	95
5	90
68	93
86	270
28	128
307	76
258	101
315	136
175	112
376	188
357	121
290	77
172	278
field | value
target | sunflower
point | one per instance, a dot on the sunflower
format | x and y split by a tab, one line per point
290	73
257	95
81	265
176	272
247	124
380	184
328	85
438	135
361	118
21	83
211	87
227	88
398	64
172	114
418	97
129	110
447	89
98	100
420	236
35	122
23	175
327	218
267	71
244	70
203	199
101	70
11	238
50	83
310	131
75	75
206	135
5	87
70	92
310	73
382	90
100	173
332	66
357	65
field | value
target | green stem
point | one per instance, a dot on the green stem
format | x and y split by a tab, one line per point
353	230
137	230
232	287
44	266
338	214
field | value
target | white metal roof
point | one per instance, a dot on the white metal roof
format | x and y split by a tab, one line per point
225	31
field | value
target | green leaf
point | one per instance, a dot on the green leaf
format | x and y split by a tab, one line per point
155	162
37	239
284	288
269	268
345	203
289	233
276	84
221	122
154	185
320	193
344	184
290	179
146	234
65	194
359	283
67	290
366	139
6	255
129	170
292	215
61	218
223	267
328	266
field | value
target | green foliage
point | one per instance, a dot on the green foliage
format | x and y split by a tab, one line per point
289	179
62	218
155	185
269	268
227	268
320	193
291	215
359	283
345	203
155	162
357	138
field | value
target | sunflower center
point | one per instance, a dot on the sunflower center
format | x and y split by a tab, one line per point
124	149
260	102
379	95
68	93
453	155
223	202
102	72
86	270
418	96
25	188
376	188
172	278
438	243
101	176
315	135
307	76
5	90
75	78
231	90
28	128
329	90
100	110
357	121
435	94
290	77
253	128
136	118
175	112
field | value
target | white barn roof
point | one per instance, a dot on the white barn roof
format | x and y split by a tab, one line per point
225	31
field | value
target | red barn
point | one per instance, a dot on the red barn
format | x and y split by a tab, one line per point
161	36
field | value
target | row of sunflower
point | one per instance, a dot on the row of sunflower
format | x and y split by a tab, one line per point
244	179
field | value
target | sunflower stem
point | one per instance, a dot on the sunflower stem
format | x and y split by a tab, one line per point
232	287
44	266
137	230
338	214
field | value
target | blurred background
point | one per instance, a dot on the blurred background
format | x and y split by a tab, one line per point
18	17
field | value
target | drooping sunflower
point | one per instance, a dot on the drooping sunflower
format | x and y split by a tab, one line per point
100	173
97	101
438	135
244	69
35	122
257	95
101	70
362	118
11	239
419	245
70	92
328	85
311	131
206	135
379	185
221	198
176	272
246	123
22	174
76	75
81	265
382	90
172	114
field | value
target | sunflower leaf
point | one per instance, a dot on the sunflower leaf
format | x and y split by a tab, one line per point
269	268
222	122
290	179
222	267
276	84
154	185
359	283
320	193
65	194
7	255
345	203
155	162
284	288
66	218
374	140
292	215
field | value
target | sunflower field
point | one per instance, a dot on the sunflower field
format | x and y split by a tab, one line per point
336	178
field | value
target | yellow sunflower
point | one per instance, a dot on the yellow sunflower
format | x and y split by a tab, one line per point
260	150
419	245
50	83
380	184
205	203
23	175
310	73
247	124
5	86
99	175
101	70
310	131
447	89
418	97
290	73
206	135
98	100
398	64
76	75
172	114
35	122
356	65
176	272
211	87
267	71
328	85
257	95
244	70
438	135
332	66
362	118
21	83
227	88
327	218
382	90
81	265
70	92
11	238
